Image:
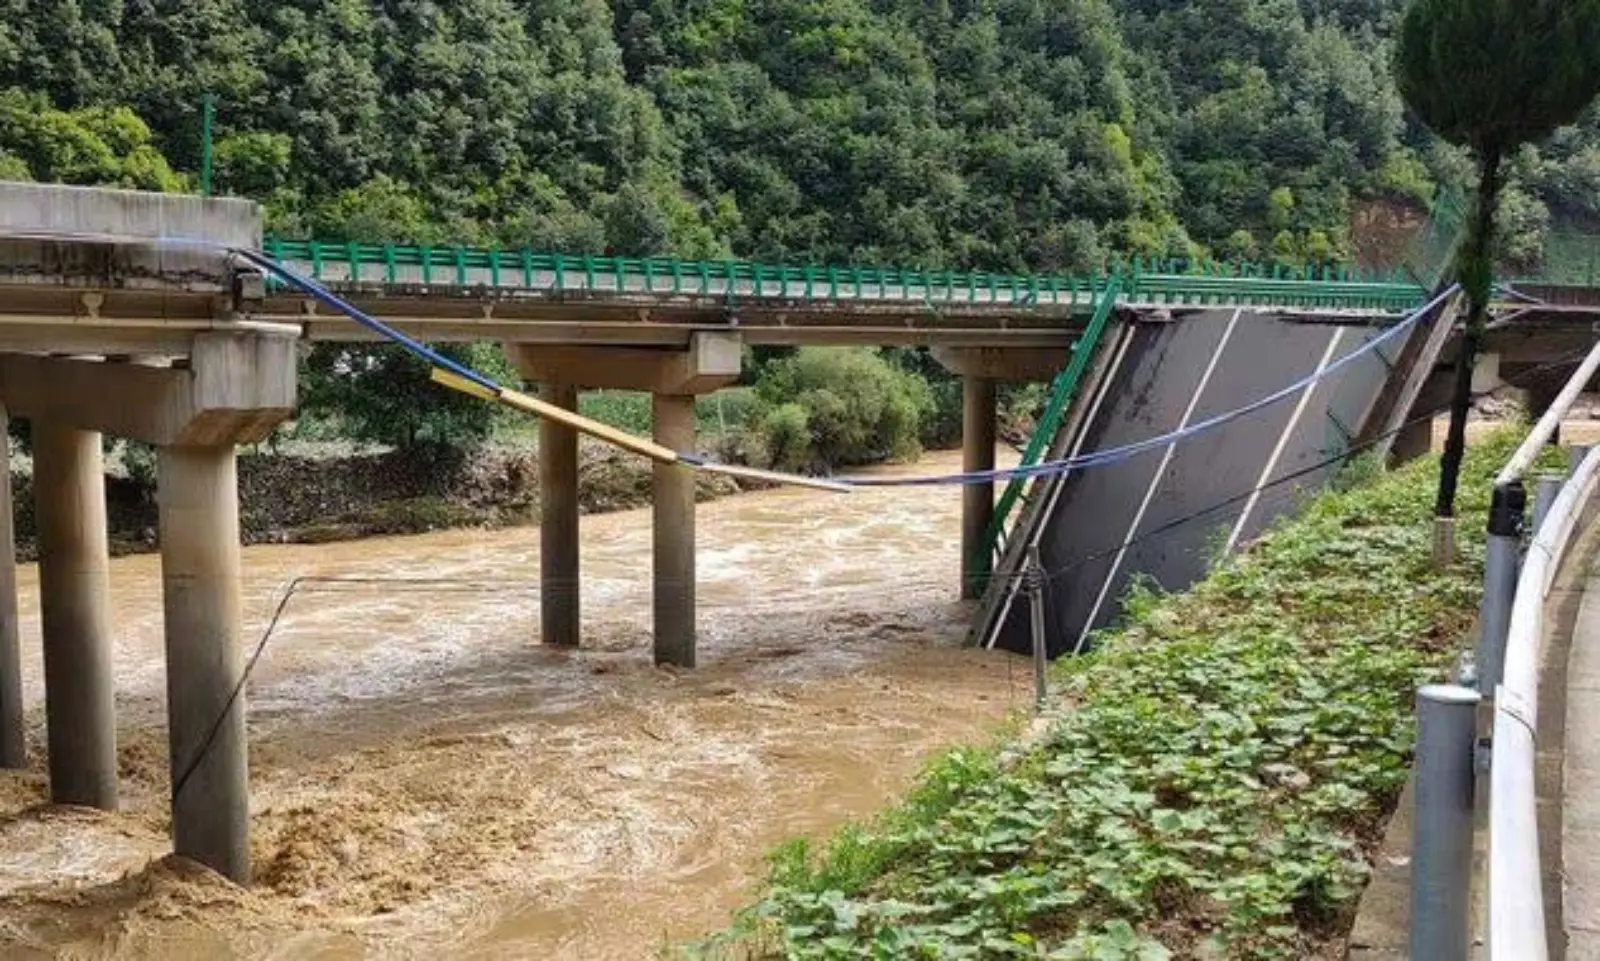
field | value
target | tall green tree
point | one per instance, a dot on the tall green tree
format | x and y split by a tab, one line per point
1492	75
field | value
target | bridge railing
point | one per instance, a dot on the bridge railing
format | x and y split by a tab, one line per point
1156	282
1512	626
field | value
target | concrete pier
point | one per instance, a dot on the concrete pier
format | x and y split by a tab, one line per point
982	370
13	744
977	500
673	377
200	585
559	592
672	493
74	571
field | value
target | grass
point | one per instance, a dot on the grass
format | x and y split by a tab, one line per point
1211	781
716	414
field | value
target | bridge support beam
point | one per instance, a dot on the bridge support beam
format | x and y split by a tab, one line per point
981	370
672	498
559	621
977	500
75	616
234	388
199	521
13	740
673	378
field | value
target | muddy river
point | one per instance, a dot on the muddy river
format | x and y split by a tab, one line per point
428	782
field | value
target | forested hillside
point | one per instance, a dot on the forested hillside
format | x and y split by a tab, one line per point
1004	134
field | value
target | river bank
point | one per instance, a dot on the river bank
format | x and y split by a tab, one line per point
1212	782
428	782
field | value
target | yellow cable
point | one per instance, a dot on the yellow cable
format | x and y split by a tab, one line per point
533	405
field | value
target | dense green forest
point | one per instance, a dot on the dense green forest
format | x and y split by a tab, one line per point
991	134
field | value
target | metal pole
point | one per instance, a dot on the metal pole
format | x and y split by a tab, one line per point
1441	835
1501	564
1544	494
1036	604
208	113
1575	455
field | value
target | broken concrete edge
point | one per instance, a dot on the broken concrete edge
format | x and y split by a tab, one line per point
42	211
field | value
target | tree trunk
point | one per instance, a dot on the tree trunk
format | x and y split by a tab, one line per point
1475	271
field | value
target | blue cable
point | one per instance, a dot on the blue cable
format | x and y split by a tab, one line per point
361	317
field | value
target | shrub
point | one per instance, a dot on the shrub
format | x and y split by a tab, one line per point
849	405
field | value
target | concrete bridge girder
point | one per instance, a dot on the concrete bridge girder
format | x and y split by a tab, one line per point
673	378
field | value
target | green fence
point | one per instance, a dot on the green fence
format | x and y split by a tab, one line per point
1566	257
1063	390
1147	281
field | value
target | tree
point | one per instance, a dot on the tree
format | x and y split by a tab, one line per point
383	395
1492	75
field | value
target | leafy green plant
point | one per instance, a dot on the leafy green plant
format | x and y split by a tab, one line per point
1492	76
1211	782
840	405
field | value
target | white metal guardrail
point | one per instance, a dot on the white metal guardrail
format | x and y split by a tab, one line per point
1511	636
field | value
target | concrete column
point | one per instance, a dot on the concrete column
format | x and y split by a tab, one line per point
198	495
977	500
672	488
1415	439
74	574
13	749
558	523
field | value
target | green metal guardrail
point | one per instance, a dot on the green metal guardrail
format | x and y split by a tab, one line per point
1167	282
1566	257
1063	390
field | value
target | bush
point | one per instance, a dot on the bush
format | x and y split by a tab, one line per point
785	434
941	426
382	395
848	406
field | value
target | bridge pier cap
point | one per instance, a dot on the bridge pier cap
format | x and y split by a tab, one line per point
235	389
1007	364
711	359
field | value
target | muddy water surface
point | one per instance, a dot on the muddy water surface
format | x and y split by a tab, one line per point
428	782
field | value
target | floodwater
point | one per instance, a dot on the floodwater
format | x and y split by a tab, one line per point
428	782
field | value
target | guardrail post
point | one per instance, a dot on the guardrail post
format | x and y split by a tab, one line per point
1544	494
1575	455
1035	585
1441	829
1501	564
